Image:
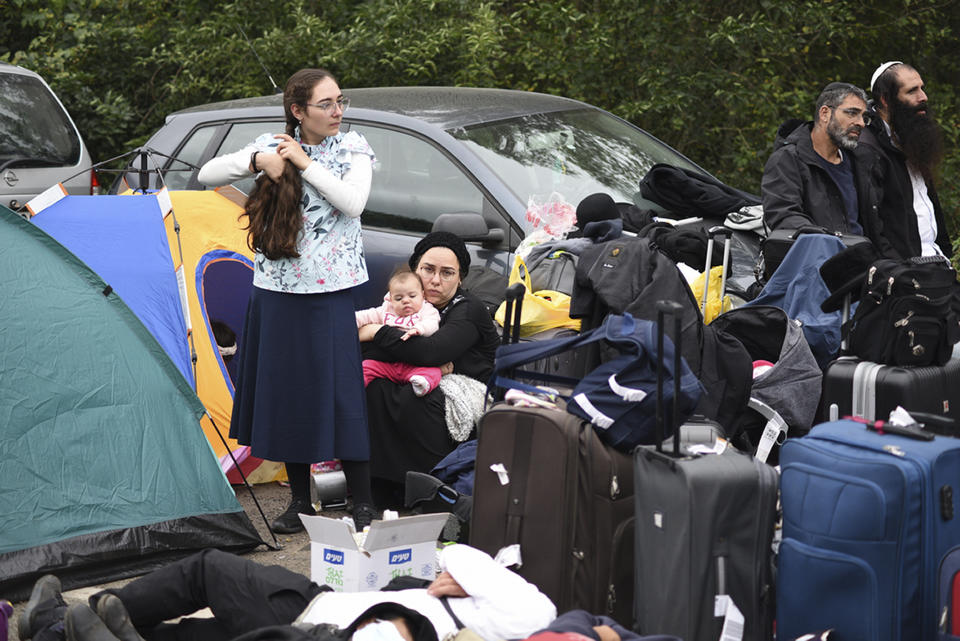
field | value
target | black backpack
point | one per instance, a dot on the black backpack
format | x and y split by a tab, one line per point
907	313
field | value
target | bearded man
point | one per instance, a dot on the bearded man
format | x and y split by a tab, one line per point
909	145
817	175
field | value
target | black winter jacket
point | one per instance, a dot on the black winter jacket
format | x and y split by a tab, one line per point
896	210
797	191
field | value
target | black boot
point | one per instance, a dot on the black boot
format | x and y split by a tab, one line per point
83	624
45	607
363	515
112	612
289	522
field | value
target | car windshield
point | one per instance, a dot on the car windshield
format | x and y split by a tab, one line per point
568	155
34	130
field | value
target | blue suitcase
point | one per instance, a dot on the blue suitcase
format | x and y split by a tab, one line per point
867	519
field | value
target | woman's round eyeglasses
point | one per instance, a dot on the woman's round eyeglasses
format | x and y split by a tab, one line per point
327	106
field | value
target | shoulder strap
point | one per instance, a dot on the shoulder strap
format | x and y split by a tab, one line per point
445	600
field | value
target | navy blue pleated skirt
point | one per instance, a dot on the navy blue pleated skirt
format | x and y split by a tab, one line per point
299	396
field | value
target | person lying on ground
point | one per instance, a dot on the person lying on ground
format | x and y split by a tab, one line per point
246	597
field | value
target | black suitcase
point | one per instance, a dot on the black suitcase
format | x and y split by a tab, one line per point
546	482
854	387
570	364
703	533
778	242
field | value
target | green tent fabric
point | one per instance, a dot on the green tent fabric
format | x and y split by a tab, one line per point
105	469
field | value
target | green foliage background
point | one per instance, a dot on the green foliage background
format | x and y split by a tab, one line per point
712	79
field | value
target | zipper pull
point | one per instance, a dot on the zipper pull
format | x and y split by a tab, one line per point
905	321
871	273
614	487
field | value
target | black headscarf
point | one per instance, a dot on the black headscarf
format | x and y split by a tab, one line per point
442	239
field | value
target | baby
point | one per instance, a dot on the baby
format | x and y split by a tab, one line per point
403	307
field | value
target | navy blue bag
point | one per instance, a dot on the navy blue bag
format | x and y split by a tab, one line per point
619	396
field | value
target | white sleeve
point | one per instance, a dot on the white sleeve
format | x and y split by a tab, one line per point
227	168
502	604
348	194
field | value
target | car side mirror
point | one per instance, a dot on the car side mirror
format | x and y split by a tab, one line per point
469	226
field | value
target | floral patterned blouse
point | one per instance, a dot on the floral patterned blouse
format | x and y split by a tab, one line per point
330	245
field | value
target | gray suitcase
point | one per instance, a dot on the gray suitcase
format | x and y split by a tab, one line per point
703	529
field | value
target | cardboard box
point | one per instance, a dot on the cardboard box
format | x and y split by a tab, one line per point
404	546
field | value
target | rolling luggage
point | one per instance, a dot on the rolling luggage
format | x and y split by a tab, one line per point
869	520
774	248
853	387
544	481
703	532
948	596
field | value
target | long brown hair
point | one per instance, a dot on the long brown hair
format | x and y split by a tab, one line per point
274	219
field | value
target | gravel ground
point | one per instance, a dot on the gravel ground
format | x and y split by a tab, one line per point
293	552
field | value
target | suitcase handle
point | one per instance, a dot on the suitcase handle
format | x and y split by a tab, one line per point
664	308
884	427
727	233
514	299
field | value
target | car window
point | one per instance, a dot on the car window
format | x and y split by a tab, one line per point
414	182
242	134
33	125
177	175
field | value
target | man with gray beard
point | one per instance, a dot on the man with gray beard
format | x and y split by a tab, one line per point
909	146
817	176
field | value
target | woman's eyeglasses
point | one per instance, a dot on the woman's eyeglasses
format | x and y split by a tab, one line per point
429	271
327	106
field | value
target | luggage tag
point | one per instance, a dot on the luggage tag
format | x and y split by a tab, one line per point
509	556
723	606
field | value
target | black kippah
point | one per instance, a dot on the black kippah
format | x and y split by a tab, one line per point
442	239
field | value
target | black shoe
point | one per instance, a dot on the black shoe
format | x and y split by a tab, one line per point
363	515
289	522
82	624
45	607
426	494
112	612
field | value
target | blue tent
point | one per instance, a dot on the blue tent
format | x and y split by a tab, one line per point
124	237
106	471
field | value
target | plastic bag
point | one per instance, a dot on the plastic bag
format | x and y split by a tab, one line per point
551	219
713	295
541	310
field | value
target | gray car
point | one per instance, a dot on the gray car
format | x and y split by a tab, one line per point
476	157
39	144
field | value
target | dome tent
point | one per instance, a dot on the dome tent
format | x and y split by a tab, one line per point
106	471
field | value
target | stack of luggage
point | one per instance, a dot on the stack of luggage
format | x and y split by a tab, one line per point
677	479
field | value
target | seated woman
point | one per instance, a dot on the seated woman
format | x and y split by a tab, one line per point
410	432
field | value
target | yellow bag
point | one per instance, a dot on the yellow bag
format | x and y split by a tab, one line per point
541	310
713	294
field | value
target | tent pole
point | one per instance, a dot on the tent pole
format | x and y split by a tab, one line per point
276	544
